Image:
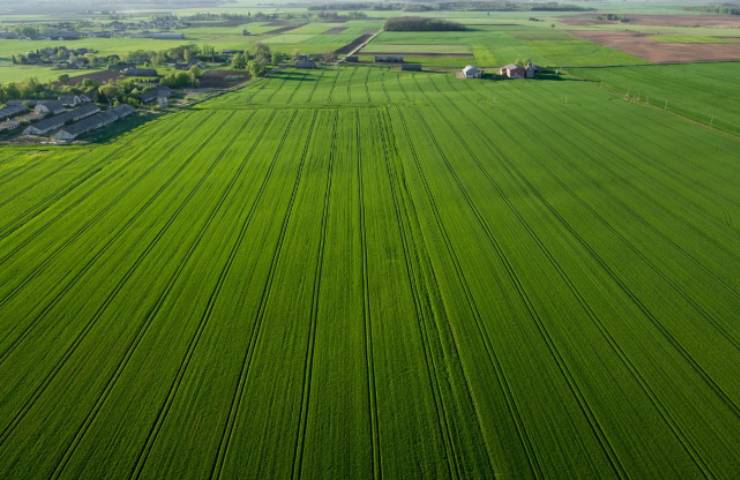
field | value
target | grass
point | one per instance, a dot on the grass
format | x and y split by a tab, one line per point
455	278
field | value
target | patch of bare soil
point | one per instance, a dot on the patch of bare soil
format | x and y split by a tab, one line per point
100	77
353	44
641	45
722	21
222	78
335	30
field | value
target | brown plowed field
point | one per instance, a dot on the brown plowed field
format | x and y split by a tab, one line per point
641	45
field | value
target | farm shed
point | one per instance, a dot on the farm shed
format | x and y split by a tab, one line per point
12	111
471	71
305	64
123	111
351	59
512	71
49	107
99	120
388	59
48	124
411	67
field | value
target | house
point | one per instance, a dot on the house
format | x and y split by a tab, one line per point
388	59
139	72
512	71
48	107
160	95
93	122
12	111
52	123
471	71
304	61
411	67
71	100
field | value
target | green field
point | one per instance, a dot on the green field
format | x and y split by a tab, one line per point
706	92
502	44
358	273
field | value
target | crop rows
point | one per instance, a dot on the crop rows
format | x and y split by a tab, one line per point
358	272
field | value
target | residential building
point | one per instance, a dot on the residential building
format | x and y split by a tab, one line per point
471	71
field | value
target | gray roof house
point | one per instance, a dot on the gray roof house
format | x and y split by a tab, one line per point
12	111
149	96
52	123
48	107
471	71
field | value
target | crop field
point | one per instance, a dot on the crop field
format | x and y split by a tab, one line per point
705	92
361	273
498	45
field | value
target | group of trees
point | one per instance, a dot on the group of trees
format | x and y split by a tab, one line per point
421	24
256	63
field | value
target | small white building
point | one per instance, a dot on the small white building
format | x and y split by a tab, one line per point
472	71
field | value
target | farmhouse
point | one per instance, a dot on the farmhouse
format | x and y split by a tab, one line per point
411	67
12	111
512	71
52	123
48	107
155	94
388	59
471	71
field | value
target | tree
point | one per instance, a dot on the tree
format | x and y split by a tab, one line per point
64	79
262	53
278	58
257	68
110	91
239	62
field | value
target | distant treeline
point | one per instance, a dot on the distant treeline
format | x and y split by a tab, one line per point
421	24
483	5
719	9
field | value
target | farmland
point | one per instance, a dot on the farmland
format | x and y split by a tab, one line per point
362	273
